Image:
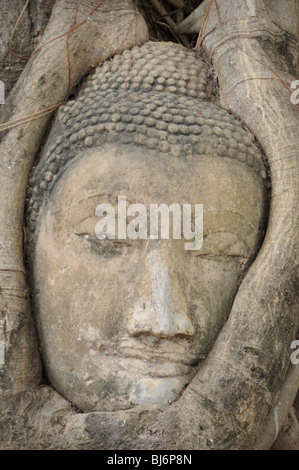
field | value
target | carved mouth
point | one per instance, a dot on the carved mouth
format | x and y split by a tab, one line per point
154	357
164	361
156	369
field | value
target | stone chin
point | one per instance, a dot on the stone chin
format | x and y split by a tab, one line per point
141	382
158	390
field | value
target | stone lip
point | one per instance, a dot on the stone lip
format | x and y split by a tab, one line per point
156	369
168	360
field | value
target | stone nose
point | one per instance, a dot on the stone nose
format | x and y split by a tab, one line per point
160	308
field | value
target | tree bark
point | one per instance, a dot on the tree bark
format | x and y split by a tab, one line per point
26	36
227	404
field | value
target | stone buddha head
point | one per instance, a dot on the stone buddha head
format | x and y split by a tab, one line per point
128	322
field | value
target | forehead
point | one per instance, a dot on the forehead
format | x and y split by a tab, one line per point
232	193
112	170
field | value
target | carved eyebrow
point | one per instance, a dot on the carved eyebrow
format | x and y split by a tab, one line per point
104	196
246	220
82	220
213	247
80	201
72	208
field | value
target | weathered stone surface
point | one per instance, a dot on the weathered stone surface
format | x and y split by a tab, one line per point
127	324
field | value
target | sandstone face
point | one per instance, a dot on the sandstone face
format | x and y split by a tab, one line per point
129	323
